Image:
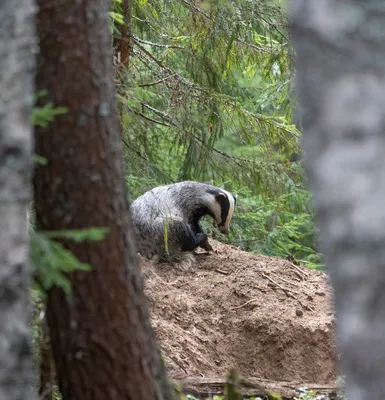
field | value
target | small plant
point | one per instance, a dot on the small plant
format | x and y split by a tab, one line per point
53	261
341	388
42	116
310	395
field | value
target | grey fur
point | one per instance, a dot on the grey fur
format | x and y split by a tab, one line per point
171	214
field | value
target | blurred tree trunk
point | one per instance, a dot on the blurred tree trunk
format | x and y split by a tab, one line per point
47	379
103	344
17	67
123	43
123	47
340	49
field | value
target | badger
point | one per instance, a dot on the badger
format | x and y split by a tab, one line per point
166	220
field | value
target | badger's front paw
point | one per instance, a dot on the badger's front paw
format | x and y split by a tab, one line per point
200	239
207	246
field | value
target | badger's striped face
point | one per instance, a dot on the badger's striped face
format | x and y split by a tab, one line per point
223	210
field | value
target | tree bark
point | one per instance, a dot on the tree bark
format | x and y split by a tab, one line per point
123	48
123	44
103	344
340	49
17	65
47	381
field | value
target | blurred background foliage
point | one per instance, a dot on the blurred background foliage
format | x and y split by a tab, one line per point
205	94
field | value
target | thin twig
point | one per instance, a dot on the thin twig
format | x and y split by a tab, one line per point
150	119
156	82
139	114
306	307
166	46
245	304
277	284
284	280
194	7
148	54
297	268
222	272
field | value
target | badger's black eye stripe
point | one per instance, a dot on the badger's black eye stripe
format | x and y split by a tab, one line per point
225	206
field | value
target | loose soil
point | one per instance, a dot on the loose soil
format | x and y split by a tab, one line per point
267	317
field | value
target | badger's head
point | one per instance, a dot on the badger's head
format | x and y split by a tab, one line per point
223	210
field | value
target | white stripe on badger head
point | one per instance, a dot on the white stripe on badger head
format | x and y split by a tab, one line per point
230	214
210	201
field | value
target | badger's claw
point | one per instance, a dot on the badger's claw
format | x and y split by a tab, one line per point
207	246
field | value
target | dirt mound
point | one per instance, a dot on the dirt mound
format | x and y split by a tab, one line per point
267	317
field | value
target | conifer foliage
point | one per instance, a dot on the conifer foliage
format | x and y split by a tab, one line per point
205	96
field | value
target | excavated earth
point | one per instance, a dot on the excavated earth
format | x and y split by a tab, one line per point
266	317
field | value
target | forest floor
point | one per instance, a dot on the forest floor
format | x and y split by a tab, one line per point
266	317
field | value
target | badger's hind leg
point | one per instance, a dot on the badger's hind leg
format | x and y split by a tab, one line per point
176	247
189	241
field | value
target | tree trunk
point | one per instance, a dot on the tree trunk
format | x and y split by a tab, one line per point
123	44
17	65
103	344
341	87
123	48
47	381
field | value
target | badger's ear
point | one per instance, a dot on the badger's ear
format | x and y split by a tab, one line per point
221	198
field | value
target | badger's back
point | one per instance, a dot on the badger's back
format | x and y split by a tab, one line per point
170	200
157	202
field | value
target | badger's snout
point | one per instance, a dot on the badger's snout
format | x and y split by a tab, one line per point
223	229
